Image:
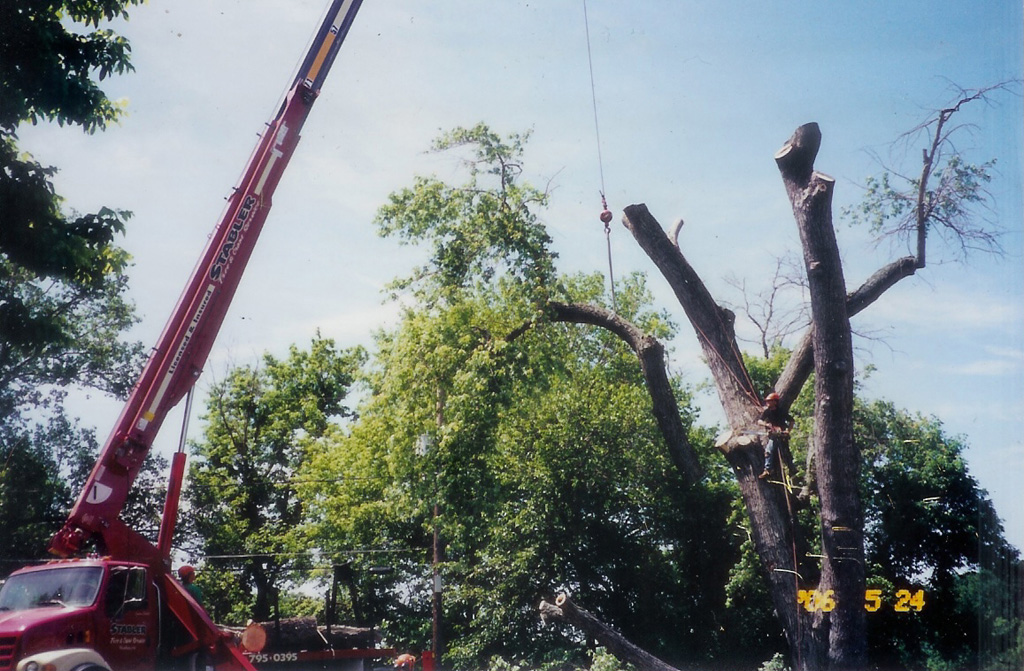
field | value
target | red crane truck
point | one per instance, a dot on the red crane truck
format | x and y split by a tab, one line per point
122	610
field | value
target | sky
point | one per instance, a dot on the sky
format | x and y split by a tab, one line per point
692	98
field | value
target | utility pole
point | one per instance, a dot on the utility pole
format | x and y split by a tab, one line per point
437	641
423	445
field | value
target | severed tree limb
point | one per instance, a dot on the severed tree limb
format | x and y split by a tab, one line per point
772	531
651	354
566	611
712	323
801	361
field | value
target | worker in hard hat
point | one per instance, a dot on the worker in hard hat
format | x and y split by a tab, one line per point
187	574
778	423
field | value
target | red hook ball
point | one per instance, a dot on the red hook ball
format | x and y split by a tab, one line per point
606	216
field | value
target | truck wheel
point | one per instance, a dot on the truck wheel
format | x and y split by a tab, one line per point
90	667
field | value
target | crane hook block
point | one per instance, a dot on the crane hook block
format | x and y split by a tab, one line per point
606	216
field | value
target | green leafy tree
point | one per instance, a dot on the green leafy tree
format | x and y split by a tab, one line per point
49	73
521	430
33	499
62	280
461	383
44	469
479	231
525	458
260	423
56	335
931	528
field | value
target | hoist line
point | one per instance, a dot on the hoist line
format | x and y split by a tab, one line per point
593	98
611	277
605	213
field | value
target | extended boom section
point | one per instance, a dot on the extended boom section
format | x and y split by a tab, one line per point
188	337
122	609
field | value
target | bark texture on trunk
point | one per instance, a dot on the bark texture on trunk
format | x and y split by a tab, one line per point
712	323
566	611
817	640
838	458
771	524
303	633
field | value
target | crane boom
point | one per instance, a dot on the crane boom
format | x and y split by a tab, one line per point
186	341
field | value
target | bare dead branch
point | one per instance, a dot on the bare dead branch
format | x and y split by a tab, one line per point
712	324
774	320
801	362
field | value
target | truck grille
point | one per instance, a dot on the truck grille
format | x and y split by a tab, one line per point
7	646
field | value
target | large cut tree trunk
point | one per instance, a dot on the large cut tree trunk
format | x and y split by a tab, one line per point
838	459
817	640
771	523
820	639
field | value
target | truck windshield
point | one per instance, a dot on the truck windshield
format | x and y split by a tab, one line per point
66	586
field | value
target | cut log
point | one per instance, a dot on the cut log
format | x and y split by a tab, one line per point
303	633
565	610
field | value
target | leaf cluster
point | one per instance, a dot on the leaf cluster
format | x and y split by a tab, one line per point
63	310
948	195
47	71
261	422
45	461
477	231
522	443
54	264
955	206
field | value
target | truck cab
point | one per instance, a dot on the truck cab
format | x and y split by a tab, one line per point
65	608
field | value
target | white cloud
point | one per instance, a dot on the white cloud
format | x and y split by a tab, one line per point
945	309
984	368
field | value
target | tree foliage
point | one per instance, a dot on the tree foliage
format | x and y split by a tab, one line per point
524	457
529	445
47	71
948	195
34	495
448	370
478	231
63	310
931	526
260	423
46	460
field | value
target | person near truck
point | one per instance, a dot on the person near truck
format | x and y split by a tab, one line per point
187	574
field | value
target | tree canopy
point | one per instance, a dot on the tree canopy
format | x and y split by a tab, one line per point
63	311
261	423
534	449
